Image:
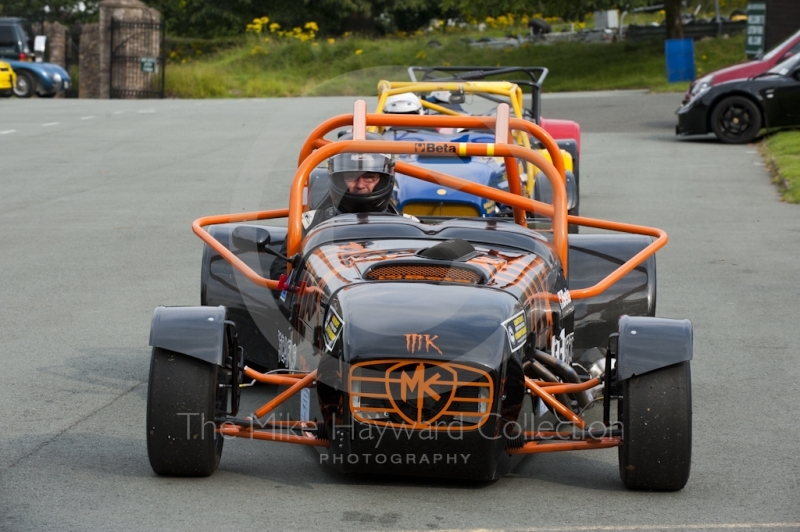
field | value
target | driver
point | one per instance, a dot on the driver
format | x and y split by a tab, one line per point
359	183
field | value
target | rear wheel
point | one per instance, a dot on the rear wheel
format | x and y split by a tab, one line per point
183	397
736	120
25	86
656	417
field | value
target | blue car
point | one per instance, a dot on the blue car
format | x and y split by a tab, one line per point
44	79
423	199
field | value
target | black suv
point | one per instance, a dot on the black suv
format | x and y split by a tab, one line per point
14	41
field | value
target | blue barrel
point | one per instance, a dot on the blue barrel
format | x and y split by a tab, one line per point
680	60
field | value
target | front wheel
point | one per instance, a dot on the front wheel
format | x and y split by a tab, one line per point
656	417
736	120
25	86
183	397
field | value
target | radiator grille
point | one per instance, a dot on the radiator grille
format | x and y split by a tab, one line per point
420	394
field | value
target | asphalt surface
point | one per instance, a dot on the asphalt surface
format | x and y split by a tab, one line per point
96	202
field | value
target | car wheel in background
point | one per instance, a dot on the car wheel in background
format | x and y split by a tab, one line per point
736	120
25	86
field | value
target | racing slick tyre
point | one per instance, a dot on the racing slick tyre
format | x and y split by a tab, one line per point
182	397
656	417
25	86
736	120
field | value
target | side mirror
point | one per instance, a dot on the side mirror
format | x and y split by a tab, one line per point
250	238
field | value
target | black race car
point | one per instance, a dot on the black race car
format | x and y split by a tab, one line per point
736	111
450	349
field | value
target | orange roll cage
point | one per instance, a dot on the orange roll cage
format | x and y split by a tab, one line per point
316	150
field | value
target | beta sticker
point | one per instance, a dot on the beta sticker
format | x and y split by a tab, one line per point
332	329
517	331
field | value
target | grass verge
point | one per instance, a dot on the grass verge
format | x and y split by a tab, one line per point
782	153
353	66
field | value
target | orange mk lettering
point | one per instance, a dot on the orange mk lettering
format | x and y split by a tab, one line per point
418	382
415	343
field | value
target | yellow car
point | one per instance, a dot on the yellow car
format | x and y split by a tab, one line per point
445	96
7	80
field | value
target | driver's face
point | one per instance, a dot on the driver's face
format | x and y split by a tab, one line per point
361	182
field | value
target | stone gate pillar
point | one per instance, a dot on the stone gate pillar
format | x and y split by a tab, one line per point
97	58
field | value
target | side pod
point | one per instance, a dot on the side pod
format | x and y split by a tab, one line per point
647	344
591	258
198	332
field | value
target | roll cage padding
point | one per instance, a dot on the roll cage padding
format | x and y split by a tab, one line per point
198	332
647	344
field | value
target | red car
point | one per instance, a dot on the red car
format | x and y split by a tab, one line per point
780	53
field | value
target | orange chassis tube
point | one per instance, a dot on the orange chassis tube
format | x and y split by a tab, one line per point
310	159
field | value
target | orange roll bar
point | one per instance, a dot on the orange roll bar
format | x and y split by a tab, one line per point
558	212
431	121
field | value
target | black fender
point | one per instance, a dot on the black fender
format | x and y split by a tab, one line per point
646	344
542	191
198	332
253	308
592	257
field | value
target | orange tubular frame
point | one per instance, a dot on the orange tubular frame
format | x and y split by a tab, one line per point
555	173
295	382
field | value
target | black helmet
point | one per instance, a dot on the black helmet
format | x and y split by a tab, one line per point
344	163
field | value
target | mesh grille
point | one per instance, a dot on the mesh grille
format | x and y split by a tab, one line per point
417	394
414	272
440	209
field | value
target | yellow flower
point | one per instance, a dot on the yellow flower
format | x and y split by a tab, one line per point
274	27
359	51
314	44
347	34
331	40
704	58
311	26
262	20
266	39
421	55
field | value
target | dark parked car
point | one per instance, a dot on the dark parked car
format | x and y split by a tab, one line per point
737	110
748	69
44	79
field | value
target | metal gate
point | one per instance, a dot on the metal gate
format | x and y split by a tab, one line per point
137	59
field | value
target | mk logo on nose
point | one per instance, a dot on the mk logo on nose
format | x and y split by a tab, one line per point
417	382
415	343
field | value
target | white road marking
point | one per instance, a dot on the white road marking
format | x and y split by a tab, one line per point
6	132
87	117
118	112
146	111
50	124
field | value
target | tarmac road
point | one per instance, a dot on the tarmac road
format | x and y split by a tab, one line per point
96	202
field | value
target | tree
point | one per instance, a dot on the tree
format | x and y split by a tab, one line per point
672	10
